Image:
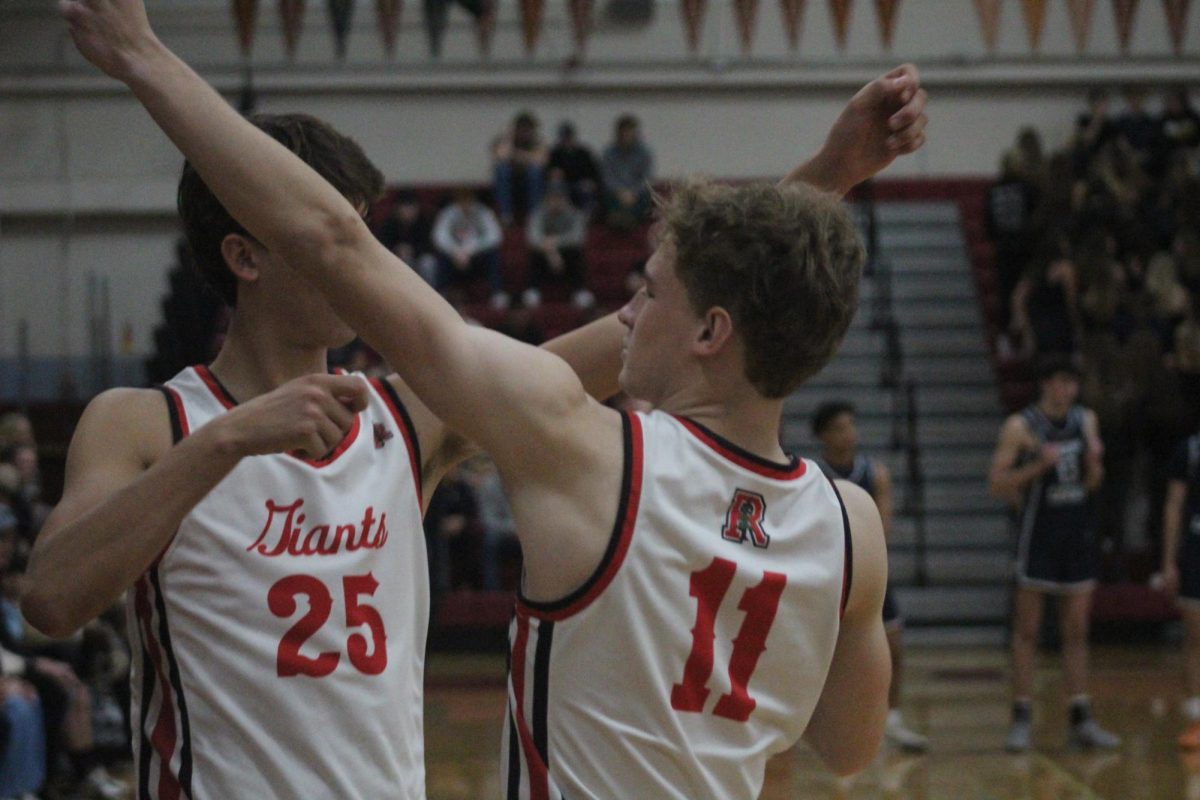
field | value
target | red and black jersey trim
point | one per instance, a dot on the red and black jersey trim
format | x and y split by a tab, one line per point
399	413
179	425
848	567
618	543
795	468
223	395
164	632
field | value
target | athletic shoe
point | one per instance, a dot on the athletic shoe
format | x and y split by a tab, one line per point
1020	737
902	736
1190	738
1089	735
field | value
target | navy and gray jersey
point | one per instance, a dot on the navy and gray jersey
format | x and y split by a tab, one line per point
861	472
1185	467
1056	548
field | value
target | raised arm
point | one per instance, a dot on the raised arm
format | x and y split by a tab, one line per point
127	488
847	725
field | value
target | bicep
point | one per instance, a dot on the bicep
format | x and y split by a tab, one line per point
114	443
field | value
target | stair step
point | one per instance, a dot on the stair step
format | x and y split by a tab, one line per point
895	213
954	604
964	567
986	535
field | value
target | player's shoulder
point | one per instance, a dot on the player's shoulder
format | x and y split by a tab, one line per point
136	421
1016	424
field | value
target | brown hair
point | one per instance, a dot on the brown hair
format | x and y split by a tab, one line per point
337	158
785	262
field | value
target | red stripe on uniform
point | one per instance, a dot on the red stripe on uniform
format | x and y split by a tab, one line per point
177	401
406	433
539	784
767	470
218	391
163	736
347	440
631	511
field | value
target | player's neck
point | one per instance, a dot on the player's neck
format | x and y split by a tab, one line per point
1053	412
254	361
750	423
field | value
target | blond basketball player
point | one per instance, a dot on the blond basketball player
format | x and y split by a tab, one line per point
694	599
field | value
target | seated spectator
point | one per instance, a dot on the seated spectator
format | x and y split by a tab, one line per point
21	485
1093	129
495	520
627	168
556	233
572	161
15	429
1044	313
1009	215
1180	122
519	159
66	701
1142	132
448	523
467	237
22	733
408	232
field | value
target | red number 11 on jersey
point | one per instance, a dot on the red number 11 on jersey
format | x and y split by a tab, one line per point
709	586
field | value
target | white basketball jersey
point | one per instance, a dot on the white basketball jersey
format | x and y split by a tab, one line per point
700	646
279	640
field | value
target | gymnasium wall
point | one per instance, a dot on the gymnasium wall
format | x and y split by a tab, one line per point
87	182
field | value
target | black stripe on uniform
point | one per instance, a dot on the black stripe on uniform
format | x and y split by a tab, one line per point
145	751
164	634
541	688
408	423
849	547
614	539
176	424
514	760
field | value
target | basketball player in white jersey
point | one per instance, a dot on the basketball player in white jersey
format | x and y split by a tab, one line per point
658	547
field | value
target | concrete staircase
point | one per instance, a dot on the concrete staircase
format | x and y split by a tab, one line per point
964	596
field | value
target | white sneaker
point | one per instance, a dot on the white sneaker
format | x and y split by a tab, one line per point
902	736
101	785
1089	736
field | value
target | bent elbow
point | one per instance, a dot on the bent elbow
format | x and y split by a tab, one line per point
321	241
47	615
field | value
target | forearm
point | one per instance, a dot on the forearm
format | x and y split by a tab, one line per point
820	172
80	566
279	199
594	353
1015	479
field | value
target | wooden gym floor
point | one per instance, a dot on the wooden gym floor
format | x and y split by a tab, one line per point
958	696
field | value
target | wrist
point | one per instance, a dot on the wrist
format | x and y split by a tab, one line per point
223	439
145	63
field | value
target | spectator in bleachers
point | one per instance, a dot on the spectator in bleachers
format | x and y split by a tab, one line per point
556	232
1009	215
519	158
467	236
1180	122
15	429
627	170
1044	311
1093	129
448	522
1142	132
408	232
497	528
574	162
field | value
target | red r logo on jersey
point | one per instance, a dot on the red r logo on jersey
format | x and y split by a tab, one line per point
744	519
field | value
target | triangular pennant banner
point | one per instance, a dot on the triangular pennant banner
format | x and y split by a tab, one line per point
693	21
1177	11
581	22
436	12
989	22
485	26
793	20
1034	12
1124	11
291	14
531	22
886	11
245	15
1081	21
341	14
387	13
746	12
840	11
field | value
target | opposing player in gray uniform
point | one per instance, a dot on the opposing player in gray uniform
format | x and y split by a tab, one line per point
833	424
1047	462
